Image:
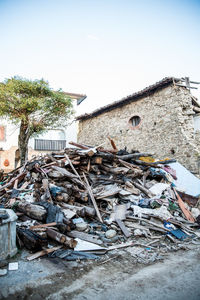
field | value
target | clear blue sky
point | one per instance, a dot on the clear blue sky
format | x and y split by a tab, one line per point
106	49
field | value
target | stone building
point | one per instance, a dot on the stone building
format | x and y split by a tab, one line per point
163	119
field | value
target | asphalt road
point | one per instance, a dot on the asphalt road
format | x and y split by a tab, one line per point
177	277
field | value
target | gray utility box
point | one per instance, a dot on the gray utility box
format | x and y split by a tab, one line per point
7	233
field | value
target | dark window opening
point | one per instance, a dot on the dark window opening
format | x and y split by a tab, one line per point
172	151
135	121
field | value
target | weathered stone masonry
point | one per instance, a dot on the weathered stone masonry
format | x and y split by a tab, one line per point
166	127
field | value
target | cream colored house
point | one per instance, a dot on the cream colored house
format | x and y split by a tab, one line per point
53	140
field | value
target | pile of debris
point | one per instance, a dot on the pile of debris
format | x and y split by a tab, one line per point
90	200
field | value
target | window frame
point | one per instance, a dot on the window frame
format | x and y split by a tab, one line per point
130	122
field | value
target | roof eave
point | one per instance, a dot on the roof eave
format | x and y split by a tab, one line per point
131	98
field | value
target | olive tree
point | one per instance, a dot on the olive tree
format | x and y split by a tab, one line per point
34	107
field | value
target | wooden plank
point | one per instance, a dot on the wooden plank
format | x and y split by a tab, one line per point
64	172
85	237
69	214
113	144
61	238
19	177
71	165
105	155
88	166
195	82
79	145
104	194
87	210
151	224
24	185
15	184
42	253
32	210
123	228
185	211
93	199
116	170
45	185
132	155
97	160
195	101
177	84
119	246
143	189
43	225
30	239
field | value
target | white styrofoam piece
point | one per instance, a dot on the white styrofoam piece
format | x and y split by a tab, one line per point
87	246
3	272
158	188
13	266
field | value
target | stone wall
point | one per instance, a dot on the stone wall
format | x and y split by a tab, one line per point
166	128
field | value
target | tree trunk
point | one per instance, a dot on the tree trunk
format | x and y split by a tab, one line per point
23	139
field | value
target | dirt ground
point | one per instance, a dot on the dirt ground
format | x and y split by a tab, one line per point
174	276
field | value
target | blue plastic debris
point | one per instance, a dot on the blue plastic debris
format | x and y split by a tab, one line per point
155	172
178	233
169	225
55	190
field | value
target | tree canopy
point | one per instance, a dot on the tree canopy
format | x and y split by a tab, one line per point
34	102
34	106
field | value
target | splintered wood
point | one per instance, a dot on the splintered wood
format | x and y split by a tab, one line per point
98	196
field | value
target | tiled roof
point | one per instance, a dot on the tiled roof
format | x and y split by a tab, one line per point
133	97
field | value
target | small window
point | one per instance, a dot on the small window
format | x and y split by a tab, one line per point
134	121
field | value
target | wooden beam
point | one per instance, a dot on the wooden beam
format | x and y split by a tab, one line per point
43	225
79	145
185	211
123	228
61	238
185	86
85	237
92	198
42	253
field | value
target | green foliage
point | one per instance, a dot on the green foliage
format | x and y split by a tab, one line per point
34	103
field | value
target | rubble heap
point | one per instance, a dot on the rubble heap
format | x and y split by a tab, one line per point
87	199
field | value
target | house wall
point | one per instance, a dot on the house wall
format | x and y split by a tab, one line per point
166	128
10	155
9	144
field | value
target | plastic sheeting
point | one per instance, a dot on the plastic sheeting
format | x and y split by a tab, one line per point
186	181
